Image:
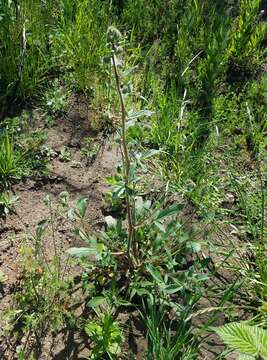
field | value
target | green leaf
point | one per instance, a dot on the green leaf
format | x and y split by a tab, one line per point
82	252
137	114
96	301
193	246
170	211
71	214
20	353
246	357
92	328
123	302
64	198
172	288
148	154
114	348
82	236
139	204
118	192
160	226
246	339
81	206
155	273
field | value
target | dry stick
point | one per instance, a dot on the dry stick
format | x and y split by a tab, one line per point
126	160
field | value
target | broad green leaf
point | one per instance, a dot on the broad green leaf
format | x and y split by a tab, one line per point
179	309
172	288
123	302
246	339
263	307
71	214
193	246
132	177
174	209
21	355
82	252
160	226
137	114
81	206
96	301
118	192
155	273
148	154
47	200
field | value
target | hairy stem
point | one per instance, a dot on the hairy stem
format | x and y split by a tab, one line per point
126	161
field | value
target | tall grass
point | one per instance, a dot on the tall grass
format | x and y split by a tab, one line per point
9	161
197	52
82	37
25	46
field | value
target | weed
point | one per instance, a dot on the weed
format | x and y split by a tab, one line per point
83	40
107	336
247	38
163	343
9	162
56	98
7	202
43	296
65	154
25	51
90	149
249	341
44	299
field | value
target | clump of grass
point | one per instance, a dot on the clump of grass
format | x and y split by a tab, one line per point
9	162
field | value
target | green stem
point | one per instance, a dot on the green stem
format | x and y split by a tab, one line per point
126	161
262	208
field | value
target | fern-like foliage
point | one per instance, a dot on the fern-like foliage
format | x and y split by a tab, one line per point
249	341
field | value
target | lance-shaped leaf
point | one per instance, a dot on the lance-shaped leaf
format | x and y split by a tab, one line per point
137	114
81	206
173	209
82	252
